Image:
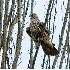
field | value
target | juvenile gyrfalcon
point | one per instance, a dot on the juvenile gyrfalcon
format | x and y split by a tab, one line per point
40	34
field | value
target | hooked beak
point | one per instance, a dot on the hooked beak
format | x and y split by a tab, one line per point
30	14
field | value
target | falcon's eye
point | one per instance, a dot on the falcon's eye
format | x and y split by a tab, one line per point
33	14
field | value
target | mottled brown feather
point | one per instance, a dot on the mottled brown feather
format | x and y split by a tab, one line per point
45	46
40	34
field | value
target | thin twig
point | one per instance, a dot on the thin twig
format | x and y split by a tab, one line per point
61	38
19	36
63	52
43	61
31	48
34	59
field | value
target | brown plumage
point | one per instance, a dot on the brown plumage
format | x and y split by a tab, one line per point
40	34
47	47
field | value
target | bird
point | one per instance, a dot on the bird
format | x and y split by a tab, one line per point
40	34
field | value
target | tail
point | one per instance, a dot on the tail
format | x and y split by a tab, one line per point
49	50
54	51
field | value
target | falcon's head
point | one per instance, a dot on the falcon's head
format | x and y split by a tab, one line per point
33	16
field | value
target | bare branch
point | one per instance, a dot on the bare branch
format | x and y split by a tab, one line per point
3	63
61	38
19	37
1	13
